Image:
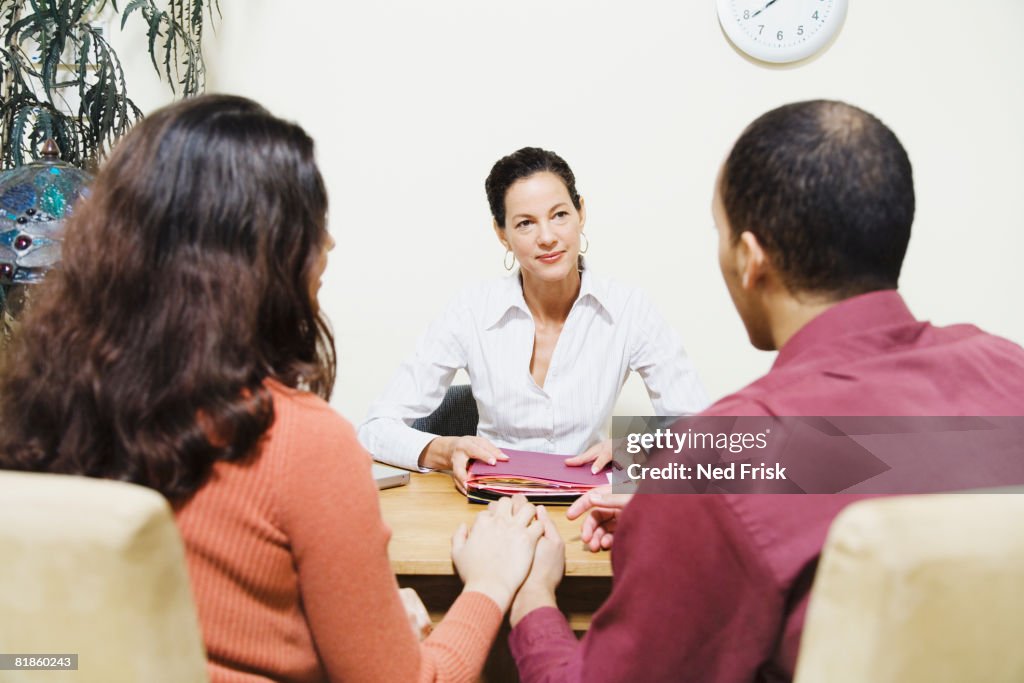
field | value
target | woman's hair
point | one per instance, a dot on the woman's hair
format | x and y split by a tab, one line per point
185	283
523	164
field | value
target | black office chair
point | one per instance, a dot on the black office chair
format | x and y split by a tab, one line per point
456	416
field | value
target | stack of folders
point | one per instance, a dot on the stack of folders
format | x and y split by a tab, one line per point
541	477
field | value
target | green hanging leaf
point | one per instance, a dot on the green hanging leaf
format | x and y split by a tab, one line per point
130	8
155	18
36	75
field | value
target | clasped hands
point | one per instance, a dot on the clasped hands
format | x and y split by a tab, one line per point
513	554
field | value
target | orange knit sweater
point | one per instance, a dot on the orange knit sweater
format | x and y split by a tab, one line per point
287	554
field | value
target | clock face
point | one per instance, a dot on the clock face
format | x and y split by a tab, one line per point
781	30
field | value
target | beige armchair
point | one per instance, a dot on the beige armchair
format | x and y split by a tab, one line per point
919	589
95	568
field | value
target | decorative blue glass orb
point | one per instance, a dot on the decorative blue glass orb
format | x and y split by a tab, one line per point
34	201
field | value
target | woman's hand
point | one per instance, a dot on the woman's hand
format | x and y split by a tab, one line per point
597	532
600	454
455	452
494	557
545	574
466	448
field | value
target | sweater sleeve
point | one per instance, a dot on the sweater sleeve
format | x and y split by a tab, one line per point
331	514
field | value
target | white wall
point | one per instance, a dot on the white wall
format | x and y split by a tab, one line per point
411	102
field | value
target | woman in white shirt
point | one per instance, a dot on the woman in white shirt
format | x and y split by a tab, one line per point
547	349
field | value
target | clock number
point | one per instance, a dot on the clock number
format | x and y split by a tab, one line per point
762	31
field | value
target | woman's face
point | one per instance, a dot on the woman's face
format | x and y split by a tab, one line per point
542	227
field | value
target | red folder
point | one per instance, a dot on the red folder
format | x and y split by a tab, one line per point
541	477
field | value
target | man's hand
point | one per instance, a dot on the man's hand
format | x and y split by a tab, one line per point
598	529
545	573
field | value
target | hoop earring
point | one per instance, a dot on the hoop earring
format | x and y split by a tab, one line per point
509	266
584	249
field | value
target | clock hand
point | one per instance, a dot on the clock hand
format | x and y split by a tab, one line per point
770	3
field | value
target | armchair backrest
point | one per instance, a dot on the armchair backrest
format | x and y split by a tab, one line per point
95	568
456	416
919	589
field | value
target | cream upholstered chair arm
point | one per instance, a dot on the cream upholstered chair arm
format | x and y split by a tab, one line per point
95	568
919	589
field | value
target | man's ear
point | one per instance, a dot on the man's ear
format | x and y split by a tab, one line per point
752	261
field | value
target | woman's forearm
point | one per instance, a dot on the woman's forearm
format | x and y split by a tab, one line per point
437	455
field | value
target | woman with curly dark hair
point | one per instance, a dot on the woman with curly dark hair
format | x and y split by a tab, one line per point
180	346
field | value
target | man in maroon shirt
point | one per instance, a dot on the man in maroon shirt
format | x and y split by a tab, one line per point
813	207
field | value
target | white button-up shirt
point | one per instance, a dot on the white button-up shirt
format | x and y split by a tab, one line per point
488	331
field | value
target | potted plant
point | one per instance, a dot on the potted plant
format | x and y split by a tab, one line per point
61	81
60	78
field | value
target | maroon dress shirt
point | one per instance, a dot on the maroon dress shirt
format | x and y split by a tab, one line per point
713	588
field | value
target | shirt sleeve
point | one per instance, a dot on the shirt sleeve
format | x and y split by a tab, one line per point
658	356
692	600
416	390
545	648
331	514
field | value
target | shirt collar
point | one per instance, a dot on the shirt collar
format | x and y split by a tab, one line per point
855	315
509	296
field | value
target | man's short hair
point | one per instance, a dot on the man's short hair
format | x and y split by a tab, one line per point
828	191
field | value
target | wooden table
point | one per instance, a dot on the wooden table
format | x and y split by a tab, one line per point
424	514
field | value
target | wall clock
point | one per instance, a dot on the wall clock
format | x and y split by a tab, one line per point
781	31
